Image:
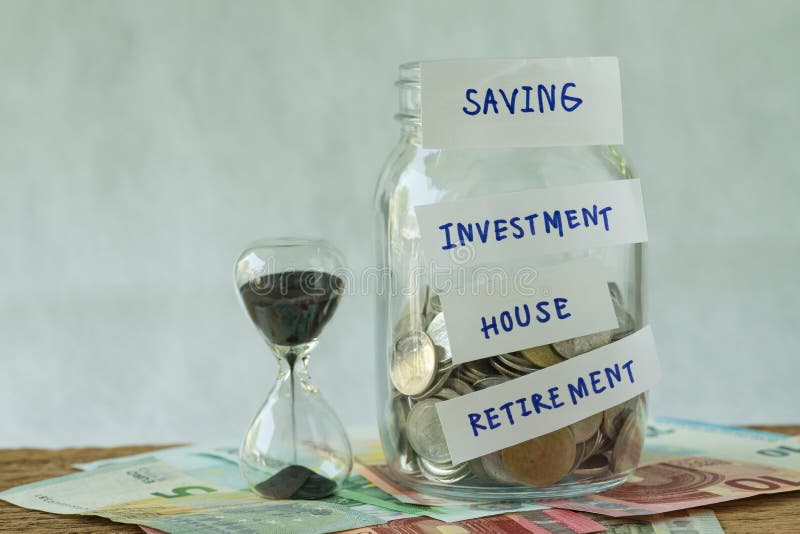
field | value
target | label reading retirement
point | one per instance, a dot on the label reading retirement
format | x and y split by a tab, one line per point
521	102
535	222
561	302
533	405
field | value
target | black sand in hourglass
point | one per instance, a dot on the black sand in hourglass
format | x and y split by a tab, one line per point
290	309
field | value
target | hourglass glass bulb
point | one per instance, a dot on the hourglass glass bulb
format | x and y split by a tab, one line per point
288	434
296	447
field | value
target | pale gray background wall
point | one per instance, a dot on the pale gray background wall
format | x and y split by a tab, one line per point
142	144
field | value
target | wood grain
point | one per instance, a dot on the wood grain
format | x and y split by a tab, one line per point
758	515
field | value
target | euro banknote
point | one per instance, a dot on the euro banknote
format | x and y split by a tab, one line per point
356	493
536	522
685	464
151	492
699	521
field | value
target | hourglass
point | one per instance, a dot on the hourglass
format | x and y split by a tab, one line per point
296	447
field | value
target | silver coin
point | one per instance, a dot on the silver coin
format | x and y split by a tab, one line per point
425	432
435	388
494	467
467	375
504	369
459	386
405	460
443	473
397	420
569	348
523	367
479	367
474	371
447	394
489	381
520	360
413	363
437	331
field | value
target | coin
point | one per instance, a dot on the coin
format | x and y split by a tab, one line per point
446	394
504	369
436	387
480	367
459	386
517	364
493	465
541	461
413	363
628	447
437	331
614	417
597	442
570	348
405	460
467	375
443	473
476	466
542	356
580	455
489	381
425	432
475	370
586	428
593	466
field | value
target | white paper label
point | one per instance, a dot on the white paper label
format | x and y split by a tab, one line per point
560	302
544	401
521	102
532	223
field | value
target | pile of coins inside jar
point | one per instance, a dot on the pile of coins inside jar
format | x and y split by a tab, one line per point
422	373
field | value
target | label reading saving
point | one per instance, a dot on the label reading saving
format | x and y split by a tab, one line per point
532	223
533	405
522	102
564	301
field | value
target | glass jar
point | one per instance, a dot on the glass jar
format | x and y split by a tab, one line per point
607	445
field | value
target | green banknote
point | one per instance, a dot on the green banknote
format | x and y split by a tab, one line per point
149	491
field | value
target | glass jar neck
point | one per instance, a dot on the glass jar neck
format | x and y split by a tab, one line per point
409	84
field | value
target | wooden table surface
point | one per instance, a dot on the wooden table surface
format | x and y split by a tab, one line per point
769	514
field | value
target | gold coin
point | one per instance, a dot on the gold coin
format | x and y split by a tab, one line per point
586	428
628	447
543	356
541	461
